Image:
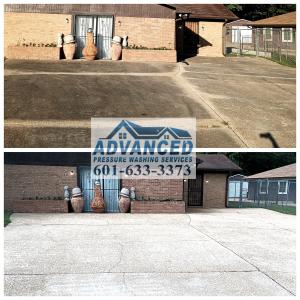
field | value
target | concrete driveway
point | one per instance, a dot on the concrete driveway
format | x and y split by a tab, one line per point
212	252
49	104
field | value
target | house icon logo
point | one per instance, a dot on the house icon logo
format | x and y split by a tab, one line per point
127	129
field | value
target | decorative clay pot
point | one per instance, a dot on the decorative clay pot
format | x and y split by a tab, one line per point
90	50
116	51
124	204
69	50
77	204
98	204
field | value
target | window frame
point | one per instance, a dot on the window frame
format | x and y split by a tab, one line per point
267	188
283	30
271	34
286	187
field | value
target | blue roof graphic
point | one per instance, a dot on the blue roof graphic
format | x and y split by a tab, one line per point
140	132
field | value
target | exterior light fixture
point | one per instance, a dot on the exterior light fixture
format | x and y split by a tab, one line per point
71	173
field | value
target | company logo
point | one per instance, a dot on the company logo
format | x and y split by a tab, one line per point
138	148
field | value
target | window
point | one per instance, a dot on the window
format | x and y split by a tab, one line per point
268	34
263	187
166	136
282	187
287	35
122	135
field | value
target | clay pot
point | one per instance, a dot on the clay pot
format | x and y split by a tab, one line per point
116	51
69	50
90	50
124	204
98	204
77	204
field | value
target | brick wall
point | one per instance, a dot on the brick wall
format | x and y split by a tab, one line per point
211	39
156	189
149	55
34	27
40	206
40	53
154	207
214	190
31	181
148	32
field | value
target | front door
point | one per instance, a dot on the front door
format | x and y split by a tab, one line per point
110	190
102	27
191	38
195	191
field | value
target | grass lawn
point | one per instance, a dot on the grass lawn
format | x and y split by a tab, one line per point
284	209
7	217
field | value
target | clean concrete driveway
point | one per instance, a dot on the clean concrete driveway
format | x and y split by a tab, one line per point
49	104
212	252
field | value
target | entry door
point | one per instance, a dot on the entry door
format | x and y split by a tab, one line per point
110	190
102	27
191	38
195	191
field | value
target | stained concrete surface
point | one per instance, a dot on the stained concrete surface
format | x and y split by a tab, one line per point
235	100
210	252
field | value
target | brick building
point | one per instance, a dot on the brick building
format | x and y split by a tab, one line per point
34	182
165	32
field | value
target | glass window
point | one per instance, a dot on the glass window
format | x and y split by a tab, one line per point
124	135
268	34
282	187
287	35
120	135
263	187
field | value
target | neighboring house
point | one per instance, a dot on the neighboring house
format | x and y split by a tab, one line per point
34	182
187	30
240	31
238	187
277	32
277	185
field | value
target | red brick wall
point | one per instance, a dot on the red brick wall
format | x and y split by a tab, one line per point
24	181
156	189
177	207
40	206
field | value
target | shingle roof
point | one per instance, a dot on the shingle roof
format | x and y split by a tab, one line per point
216	162
288	19
282	172
206	11
240	22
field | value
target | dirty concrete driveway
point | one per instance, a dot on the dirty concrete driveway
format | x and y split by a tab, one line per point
211	252
49	104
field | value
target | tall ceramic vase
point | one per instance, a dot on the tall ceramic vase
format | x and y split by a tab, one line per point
90	50
98	204
69	50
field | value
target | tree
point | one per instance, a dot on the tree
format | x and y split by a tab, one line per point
253	12
256	162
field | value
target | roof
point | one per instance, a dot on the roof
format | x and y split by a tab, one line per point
216	162
288	171
240	22
138	131
202	11
288	19
206	11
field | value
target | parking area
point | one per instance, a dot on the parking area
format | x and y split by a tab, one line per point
235	100
210	252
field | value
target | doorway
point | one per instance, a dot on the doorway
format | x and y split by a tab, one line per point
110	190
195	188
102	27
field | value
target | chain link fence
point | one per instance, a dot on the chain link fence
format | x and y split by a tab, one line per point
277	44
278	195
